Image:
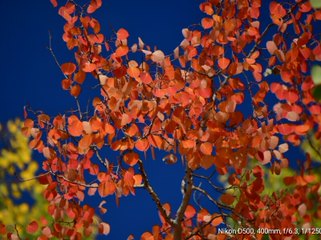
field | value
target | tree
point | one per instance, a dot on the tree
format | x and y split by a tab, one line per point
17	172
229	101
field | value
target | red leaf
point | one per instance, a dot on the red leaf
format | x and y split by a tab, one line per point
142	144
189	212
147	236
227	198
54	3
122	34
207	23
121	51
66	83
93	6
145	77
68	68
75	90
206	148
188	143
302	129
80	77
131	158
88	67
223	62
217	220
84	144
75	126
106	188
32	227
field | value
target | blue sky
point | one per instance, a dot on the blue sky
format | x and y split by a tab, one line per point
29	76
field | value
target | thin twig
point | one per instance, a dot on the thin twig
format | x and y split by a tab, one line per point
211	198
153	194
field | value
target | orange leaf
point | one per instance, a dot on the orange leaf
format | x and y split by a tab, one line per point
94	5
142	144
223	62
75	126
75	90
95	123
68	68
121	51
32	227
84	144
134	72
122	34
132	130
302	129
206	148
54	3
217	220
188	143
147	236
207	23
145	77
131	158
138	179
106	188
189	212
66	83
80	77
88	67
104	228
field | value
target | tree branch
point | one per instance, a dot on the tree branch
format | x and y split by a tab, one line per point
211	199
186	197
153	194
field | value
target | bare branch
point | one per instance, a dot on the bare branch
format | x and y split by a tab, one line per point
186	197
153	194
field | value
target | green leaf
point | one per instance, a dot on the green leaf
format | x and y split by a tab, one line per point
315	3
317	92
316	74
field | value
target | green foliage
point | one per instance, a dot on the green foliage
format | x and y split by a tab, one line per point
315	3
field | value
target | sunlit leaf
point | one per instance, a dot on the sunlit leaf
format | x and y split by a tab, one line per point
94	5
122	34
271	47
131	158
104	228
121	51
88	67
158	56
207	23
223	62
190	211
